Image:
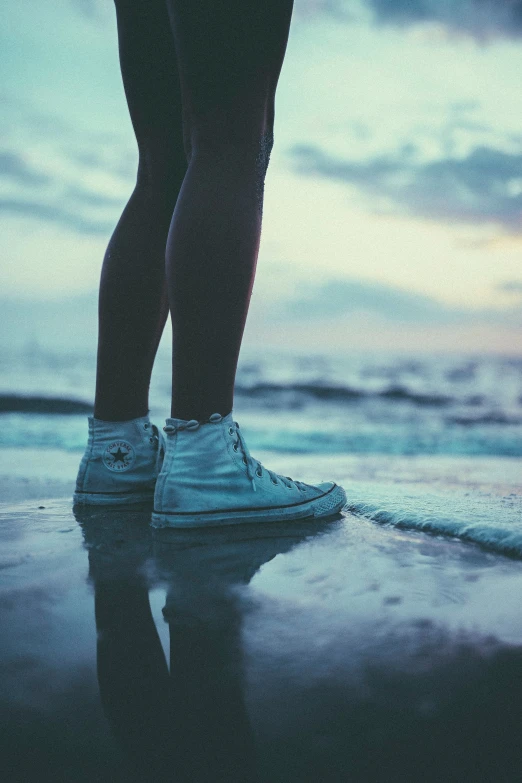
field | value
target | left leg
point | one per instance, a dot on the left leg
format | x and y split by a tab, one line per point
133	304
121	461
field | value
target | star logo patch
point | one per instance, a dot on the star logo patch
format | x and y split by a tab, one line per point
119	456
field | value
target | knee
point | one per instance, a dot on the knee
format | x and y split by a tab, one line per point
241	149
239	128
161	176
266	144
248	148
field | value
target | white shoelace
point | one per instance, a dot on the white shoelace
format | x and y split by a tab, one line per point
157	439
256	468
253	466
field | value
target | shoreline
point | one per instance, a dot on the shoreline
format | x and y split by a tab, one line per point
478	499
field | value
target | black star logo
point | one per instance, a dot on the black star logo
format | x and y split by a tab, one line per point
119	456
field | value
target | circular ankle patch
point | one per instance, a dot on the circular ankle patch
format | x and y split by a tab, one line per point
119	456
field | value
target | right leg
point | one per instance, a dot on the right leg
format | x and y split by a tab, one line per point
230	54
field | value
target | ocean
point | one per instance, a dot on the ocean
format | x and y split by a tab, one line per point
425	442
384	644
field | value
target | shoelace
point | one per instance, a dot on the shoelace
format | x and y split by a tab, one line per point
157	439
256	468
253	466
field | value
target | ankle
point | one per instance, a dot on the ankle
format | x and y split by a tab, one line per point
117	417
202	416
102	420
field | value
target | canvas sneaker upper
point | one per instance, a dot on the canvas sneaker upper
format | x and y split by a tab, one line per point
208	468
121	462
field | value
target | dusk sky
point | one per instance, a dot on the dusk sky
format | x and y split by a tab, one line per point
393	200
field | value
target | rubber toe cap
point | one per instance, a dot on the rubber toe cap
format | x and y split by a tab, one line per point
325	486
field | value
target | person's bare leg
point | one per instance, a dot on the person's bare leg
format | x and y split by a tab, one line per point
133	304
230	53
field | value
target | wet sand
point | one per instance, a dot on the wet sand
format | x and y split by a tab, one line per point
331	651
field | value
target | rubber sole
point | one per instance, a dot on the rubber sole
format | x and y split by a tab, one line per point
112	499
324	506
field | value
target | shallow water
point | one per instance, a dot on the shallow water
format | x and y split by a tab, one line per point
304	652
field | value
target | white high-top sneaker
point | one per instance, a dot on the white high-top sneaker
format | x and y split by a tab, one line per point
121	463
209	478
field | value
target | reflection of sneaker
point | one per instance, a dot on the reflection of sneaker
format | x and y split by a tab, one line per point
209	478
121	462
119	545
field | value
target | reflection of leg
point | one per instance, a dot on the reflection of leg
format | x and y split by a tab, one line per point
230	54
133	304
211	727
132	671
133	675
204	570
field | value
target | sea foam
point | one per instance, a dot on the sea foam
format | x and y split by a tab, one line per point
489	515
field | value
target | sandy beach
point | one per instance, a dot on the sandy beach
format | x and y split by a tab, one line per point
333	651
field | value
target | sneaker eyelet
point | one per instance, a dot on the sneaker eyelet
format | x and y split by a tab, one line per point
146	426
259	473
230	431
235	446
244	461
274	482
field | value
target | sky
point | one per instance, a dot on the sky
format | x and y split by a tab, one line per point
393	200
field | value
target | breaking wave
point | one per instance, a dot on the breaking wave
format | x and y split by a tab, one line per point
485	517
18	403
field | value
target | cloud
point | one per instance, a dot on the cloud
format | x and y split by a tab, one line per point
511	287
51	172
336	9
91	198
107	155
87	8
338	297
13	166
460	107
346	297
483	187
479	19
19	116
93	10
482	20
53	213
